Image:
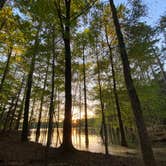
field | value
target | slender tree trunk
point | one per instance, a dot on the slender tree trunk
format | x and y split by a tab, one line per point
80	110
6	69
57	123
2	3
16	103
51	108
8	114
41	104
102	108
123	137
145	142
24	136
20	112
85	102
74	97
31	114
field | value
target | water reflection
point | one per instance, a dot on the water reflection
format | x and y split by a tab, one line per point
78	138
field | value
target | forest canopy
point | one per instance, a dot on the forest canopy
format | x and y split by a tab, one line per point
87	64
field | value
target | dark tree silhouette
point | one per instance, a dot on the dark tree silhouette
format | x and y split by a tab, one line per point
145	142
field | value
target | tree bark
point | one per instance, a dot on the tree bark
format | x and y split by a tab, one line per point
145	142
67	124
31	114
80	110
65	29
16	103
20	112
57	122
85	102
6	69
41	104
8	114
51	108
102	108
123	137
24	135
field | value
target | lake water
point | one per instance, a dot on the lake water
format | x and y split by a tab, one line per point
95	142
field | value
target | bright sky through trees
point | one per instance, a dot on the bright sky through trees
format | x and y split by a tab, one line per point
153	9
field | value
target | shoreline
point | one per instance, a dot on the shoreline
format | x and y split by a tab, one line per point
15	153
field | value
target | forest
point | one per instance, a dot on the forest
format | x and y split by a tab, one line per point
82	83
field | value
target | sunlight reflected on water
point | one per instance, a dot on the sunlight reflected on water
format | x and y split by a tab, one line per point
95	142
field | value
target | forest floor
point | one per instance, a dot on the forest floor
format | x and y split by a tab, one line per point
15	153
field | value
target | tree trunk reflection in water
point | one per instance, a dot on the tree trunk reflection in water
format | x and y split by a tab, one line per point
95	141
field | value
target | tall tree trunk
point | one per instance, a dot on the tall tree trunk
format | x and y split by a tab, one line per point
57	123
80	110
16	103
2	3
20	112
24	136
102	108
145	142
65	29
8	114
6	69
41	104
31	114
51	108
123	137
85	102
67	124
